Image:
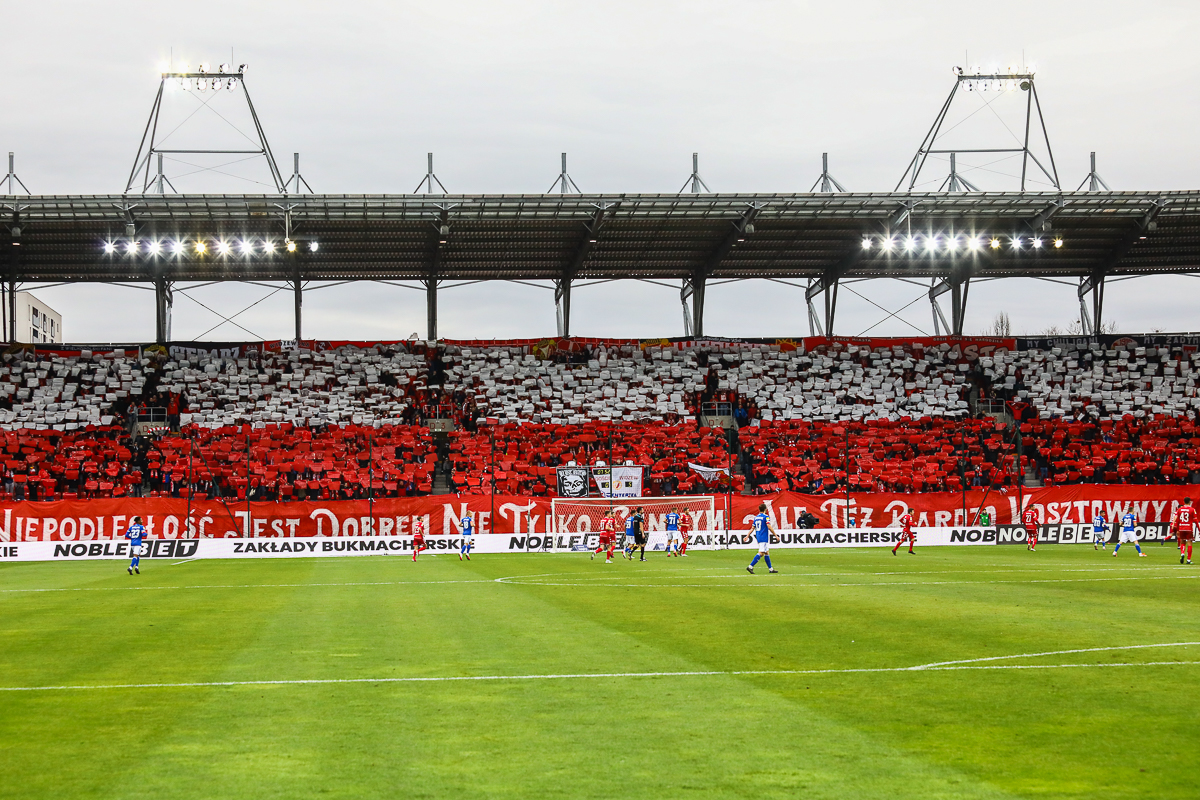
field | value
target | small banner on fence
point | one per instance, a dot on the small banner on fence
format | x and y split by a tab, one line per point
624	481
573	482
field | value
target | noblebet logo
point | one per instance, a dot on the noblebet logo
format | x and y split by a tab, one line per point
972	536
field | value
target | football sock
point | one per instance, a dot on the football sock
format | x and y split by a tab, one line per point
1138	546
1118	547
757	556
767	559
137	560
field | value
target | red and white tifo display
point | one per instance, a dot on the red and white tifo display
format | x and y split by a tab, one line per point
506	523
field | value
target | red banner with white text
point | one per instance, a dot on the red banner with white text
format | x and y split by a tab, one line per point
83	520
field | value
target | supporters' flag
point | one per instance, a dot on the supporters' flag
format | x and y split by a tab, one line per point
709	474
573	482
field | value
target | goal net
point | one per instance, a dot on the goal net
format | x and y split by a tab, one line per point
583	515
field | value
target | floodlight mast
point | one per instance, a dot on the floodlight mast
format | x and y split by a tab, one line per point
1000	82
148	148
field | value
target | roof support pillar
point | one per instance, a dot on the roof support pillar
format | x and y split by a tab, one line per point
14	268
821	323
562	305
164	303
431	284
693	291
297	297
1092	323
957	284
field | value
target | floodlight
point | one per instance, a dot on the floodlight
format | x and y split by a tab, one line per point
910	243
951	244
204	68
866	243
995	244
110	248
153	248
223	248
291	246
201	248
1058	242
1016	243
131	247
1036	242
241	69
973	243
269	246
887	244
246	246
312	246
177	247
931	243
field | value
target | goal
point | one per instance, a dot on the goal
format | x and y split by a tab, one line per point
583	515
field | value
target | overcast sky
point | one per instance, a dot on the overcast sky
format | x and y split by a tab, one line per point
498	89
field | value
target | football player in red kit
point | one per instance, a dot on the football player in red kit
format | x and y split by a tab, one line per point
685	531
906	532
1184	527
1030	518
418	537
608	536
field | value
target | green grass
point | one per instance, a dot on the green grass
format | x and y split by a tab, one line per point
1082	732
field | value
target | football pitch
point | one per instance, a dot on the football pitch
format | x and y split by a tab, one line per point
961	672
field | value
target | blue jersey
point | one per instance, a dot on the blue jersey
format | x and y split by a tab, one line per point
629	526
672	521
762	531
467	527
1099	525
135	534
1128	522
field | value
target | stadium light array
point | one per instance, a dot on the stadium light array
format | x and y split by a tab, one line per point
933	244
179	248
204	79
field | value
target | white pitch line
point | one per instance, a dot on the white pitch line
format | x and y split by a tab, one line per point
185	561
781	583
238	586
939	664
585	675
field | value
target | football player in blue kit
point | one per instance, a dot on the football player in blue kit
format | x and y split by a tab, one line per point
762	528
468	531
1128	533
135	535
1099	532
672	522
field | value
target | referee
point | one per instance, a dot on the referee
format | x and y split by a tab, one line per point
639	534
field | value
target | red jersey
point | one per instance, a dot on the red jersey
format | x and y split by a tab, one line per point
906	523
608	527
418	530
685	522
1185	520
1030	518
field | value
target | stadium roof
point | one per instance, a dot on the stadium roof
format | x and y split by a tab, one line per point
696	238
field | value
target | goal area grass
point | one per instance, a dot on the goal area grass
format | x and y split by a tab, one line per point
960	672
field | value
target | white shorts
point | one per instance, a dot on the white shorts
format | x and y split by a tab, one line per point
672	535
1129	536
764	547
1100	538
138	550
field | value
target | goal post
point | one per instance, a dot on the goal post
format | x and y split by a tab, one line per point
583	515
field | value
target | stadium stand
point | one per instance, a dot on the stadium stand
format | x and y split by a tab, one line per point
883	416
